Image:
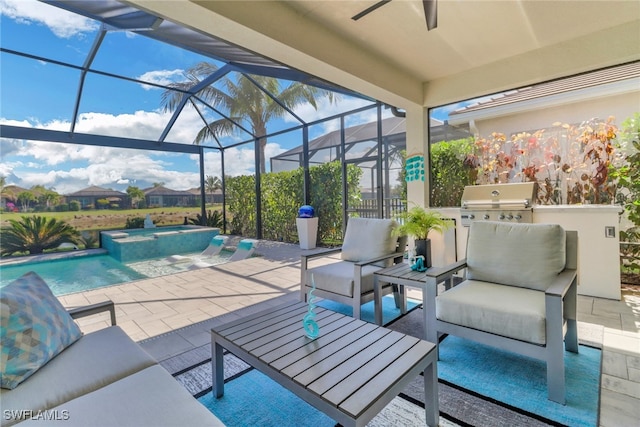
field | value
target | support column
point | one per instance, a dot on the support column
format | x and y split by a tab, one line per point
417	143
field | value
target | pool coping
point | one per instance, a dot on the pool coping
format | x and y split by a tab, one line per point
27	259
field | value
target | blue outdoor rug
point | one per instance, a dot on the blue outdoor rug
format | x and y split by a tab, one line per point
253	399
389	310
521	381
479	386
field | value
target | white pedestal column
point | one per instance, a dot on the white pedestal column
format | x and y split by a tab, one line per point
307	232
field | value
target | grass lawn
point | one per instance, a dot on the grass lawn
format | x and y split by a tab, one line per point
110	219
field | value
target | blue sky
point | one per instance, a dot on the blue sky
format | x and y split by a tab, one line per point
42	94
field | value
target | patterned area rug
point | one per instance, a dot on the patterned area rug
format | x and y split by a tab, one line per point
253	399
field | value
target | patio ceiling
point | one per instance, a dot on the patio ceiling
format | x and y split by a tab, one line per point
479	47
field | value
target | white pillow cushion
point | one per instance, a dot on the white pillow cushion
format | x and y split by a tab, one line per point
525	255
368	238
509	311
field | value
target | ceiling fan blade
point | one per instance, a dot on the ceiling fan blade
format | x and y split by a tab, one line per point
431	13
370	9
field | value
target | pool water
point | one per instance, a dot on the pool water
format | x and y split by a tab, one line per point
162	267
84	273
65	276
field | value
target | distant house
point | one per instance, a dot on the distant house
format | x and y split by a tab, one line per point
89	196
163	197
10	195
215	197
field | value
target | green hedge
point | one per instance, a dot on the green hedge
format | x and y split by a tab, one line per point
282	196
449	172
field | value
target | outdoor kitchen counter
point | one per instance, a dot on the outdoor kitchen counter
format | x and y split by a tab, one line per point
598	228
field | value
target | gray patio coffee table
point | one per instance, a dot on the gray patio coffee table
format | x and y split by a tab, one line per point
350	372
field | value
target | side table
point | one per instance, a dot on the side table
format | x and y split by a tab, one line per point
402	275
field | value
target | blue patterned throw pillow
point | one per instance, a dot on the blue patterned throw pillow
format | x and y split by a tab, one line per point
35	327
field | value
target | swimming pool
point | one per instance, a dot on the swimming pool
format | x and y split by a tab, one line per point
78	272
68	275
138	244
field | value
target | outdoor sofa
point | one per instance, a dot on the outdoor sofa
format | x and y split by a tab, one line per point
102	378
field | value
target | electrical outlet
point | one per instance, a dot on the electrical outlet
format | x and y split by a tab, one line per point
610	231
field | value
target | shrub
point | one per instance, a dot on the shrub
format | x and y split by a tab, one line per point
102	204
34	234
450	171
213	219
74	206
136	222
282	195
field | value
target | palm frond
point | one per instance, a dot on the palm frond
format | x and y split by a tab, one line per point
35	234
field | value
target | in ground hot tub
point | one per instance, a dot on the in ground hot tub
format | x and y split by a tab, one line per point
145	243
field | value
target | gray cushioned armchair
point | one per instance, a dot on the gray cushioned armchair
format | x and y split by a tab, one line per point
369	245
519	294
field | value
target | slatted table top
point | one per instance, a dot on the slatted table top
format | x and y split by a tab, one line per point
403	271
351	371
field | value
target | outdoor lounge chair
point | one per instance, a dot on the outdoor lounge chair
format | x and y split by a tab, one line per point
214	248
246	248
369	245
520	294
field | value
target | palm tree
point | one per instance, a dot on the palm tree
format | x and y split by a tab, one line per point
211	184
135	194
35	234
25	198
243	101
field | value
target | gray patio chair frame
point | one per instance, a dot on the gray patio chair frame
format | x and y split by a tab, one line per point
561	316
354	301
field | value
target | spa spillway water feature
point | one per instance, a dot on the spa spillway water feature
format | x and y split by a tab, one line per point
139	244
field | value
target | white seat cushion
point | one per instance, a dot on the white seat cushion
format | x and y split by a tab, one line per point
147	398
525	255
509	311
95	360
338	278
369	238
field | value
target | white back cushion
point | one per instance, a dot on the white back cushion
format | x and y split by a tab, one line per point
525	255
368	238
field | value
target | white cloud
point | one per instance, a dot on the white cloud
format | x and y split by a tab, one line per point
326	109
62	23
108	167
69	167
161	77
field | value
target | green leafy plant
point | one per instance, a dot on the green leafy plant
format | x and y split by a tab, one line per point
630	251
627	177
212	219
90	239
135	222
74	205
35	234
245	100
628	174
451	171
417	222
282	195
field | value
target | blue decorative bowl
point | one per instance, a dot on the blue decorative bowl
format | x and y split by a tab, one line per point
305	211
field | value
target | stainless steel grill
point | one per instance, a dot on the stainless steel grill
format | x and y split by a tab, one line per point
498	202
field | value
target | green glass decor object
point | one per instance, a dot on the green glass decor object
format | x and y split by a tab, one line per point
310	325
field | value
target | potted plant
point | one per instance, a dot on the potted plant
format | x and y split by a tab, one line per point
417	222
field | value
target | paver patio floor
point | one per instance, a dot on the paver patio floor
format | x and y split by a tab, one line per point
167	307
